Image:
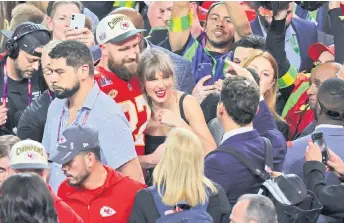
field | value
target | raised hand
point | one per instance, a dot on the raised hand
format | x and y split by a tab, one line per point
200	92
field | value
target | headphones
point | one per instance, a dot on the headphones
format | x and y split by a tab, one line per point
11	44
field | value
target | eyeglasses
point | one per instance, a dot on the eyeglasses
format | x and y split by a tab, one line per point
335	115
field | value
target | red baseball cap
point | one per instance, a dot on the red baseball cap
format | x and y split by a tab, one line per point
202	13
316	49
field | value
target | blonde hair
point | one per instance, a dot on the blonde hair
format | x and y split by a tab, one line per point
49	46
270	95
151	62
41	5
25	12
180	172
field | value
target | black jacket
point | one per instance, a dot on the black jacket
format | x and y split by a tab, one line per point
330	196
32	121
275	44
17	96
338	33
144	210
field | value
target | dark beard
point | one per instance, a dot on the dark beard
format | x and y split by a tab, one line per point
20	73
66	93
80	182
219	45
120	70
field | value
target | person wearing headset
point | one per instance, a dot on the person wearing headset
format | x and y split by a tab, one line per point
20	81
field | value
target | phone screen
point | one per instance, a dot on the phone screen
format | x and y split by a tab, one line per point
318	138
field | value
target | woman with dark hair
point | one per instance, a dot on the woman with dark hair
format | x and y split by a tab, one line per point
29	201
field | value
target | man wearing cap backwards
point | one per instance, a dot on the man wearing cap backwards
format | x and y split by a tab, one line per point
19	80
116	73
30	156
95	191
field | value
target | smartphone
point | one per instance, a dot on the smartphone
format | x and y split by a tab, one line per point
77	21
206	69
318	138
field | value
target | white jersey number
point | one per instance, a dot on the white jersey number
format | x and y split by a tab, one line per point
130	108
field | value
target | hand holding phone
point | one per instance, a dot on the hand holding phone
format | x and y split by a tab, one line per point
78	31
318	138
77	21
205	69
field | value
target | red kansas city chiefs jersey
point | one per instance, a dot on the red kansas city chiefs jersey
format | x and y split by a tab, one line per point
129	96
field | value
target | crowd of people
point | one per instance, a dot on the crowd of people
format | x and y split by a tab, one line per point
172	112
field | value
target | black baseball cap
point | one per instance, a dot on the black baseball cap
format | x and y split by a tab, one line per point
29	36
74	140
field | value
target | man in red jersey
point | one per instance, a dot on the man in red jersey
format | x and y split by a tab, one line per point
116	74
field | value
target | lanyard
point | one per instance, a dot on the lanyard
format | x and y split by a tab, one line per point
294	44
5	88
76	121
50	96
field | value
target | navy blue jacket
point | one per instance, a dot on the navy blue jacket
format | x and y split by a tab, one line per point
295	159
230	173
301	26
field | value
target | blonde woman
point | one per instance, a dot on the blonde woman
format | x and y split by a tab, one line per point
179	177
170	108
266	67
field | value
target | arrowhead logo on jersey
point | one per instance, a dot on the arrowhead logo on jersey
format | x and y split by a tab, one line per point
106	211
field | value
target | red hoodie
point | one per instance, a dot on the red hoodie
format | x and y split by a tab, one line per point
110	203
65	214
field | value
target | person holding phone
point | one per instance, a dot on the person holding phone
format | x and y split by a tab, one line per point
329	109
60	19
328	133
330	196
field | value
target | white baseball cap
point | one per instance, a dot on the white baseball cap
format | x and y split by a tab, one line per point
28	154
115	28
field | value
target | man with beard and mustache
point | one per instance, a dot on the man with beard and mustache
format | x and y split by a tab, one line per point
226	23
119	41
80	101
95	191
20	81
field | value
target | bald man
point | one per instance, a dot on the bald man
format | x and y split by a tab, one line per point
182	67
319	74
